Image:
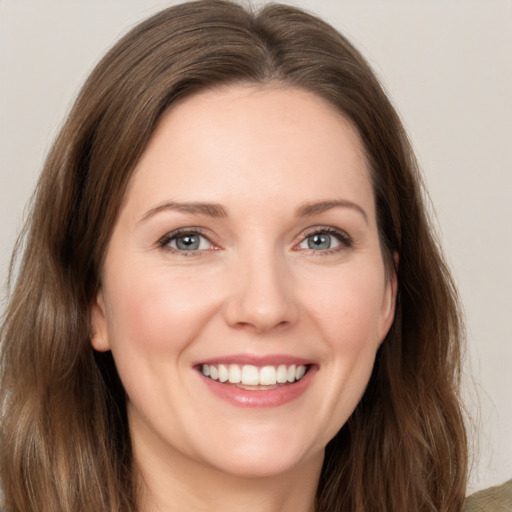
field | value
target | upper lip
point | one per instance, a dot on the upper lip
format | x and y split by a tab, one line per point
256	360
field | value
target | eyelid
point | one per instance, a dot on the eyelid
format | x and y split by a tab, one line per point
346	241
164	241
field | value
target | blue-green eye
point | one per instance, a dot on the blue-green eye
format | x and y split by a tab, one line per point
325	240
186	241
320	241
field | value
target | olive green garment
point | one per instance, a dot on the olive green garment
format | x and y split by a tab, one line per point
494	499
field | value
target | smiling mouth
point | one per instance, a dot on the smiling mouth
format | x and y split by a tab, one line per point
253	377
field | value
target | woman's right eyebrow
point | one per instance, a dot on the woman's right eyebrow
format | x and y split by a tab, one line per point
216	210
208	209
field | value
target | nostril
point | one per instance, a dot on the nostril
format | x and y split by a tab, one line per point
259	327
244	315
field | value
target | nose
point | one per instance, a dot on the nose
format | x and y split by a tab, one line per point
262	297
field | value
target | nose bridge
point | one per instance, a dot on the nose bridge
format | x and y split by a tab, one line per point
262	297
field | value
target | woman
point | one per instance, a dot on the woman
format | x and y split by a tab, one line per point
229	293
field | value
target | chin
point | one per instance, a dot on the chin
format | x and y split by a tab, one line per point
265	458
264	466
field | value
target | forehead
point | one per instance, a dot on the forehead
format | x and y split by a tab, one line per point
255	142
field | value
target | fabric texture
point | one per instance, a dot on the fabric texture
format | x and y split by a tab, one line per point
494	499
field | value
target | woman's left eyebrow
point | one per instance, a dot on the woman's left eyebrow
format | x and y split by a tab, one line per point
208	209
216	210
309	209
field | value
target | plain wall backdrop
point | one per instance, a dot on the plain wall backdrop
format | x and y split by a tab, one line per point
447	66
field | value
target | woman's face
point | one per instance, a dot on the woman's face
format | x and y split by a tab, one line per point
246	249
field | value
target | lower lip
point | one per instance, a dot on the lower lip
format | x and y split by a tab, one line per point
263	397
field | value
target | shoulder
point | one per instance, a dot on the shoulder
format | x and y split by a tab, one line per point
494	499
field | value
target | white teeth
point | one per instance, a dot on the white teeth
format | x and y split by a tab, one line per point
223	373
235	373
281	374
250	375
268	376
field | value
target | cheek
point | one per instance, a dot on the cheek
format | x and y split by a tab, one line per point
349	306
345	310
158	310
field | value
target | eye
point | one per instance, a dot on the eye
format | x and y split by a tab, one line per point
186	241
325	240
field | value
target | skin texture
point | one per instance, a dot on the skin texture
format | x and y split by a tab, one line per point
254	288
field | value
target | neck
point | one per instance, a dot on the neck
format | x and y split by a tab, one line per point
178	483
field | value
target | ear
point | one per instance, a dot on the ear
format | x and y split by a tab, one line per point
99	331
389	300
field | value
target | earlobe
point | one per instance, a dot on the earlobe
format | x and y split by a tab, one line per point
99	334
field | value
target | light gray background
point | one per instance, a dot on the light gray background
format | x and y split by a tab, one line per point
447	65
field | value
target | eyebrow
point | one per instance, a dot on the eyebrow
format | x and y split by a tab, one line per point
216	210
311	209
208	209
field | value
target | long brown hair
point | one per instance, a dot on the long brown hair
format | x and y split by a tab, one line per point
65	443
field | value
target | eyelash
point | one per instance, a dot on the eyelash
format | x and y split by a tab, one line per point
164	242
346	242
